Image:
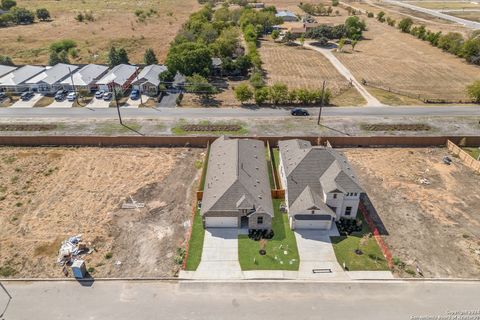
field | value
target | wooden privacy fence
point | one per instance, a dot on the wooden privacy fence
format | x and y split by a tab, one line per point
383	246
278	193
467	159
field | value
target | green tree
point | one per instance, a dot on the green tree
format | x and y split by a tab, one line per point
199	85
354	27
278	93
381	16
22	16
243	93
261	95
117	56
391	22
6	19
451	42
341	44
288	37
471	50
43	14
275	34
166	76
405	24
63	45
149	57
57	57
8	4
122	56
189	58
302	39
256	80
353	44
6	61
473	91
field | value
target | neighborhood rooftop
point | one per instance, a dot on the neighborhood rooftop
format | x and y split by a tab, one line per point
20	75
6	69
119	74
53	74
86	75
150	74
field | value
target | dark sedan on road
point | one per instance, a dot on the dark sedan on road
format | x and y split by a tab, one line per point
299	112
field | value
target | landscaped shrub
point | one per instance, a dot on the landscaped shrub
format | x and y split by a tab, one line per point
348	226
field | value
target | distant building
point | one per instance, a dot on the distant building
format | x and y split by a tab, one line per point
85	78
14	81
49	80
120	77
286	15
148	79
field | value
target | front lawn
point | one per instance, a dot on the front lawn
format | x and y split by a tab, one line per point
195	245
275	259
371	259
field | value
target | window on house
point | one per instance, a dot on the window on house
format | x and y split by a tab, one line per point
334	196
260	220
313	211
348	211
355	194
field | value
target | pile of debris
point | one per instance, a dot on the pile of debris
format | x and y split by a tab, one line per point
71	250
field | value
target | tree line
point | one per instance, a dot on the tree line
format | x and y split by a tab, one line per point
17	15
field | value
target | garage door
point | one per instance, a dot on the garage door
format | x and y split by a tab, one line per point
312	224
221	222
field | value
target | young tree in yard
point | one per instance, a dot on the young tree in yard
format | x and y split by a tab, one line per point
243	93
149	57
261	95
256	80
473	91
278	93
6	61
355	27
43	14
8	4
288	37
353	44
275	34
405	24
302	39
22	16
341	44
199	85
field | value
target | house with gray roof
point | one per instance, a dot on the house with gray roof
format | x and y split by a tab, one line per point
120	77
148	80
49	80
237	189
6	69
286	15
15	81
320	186
85	78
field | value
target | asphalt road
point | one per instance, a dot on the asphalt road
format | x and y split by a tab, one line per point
238	300
202	113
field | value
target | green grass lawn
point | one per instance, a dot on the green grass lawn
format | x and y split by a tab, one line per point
270	173
372	258
195	245
474	152
276	162
204	170
284	238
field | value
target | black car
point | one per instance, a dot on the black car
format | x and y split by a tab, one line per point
3	96
26	96
299	112
61	92
59	97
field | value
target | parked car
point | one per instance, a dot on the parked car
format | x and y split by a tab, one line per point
107	96
299	112
99	94
135	94
61	92
26	96
59	96
72	96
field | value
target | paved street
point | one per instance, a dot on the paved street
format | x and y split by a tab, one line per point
72	114
237	300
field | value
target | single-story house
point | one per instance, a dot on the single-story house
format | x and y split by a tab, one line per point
6	69
286	15
320	186
85	78
237	188
120	76
148	80
49	80
15	80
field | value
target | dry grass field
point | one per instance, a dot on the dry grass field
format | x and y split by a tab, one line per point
115	23
468	15
400	61
440	5
50	194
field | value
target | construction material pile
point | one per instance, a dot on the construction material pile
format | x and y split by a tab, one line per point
71	249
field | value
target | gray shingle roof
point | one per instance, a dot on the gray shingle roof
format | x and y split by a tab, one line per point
6	69
119	74
86	75
237	177
20	75
311	200
318	168
150	74
54	74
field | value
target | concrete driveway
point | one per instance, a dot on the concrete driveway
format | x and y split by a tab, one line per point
98	103
60	104
316	252
27	104
136	103
219	255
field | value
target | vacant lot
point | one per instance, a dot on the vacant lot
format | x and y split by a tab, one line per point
115	23
50	194
435	224
299	68
392	59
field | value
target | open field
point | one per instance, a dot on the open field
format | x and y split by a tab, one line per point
392	59
446	4
468	15
299	68
50	194
115	23
435	225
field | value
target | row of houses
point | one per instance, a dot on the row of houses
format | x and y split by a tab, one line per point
91	77
320	186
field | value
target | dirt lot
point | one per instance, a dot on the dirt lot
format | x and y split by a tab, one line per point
400	61
115	22
436	225
50	194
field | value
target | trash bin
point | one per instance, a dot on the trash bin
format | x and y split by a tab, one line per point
79	269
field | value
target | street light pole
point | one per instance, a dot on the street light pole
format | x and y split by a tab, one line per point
321	103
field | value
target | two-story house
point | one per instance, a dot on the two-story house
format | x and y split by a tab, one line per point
319	184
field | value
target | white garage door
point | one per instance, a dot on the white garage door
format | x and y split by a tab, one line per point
221	222
312	224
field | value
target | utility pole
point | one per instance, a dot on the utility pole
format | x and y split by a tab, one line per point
139	88
116	102
321	103
73	84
